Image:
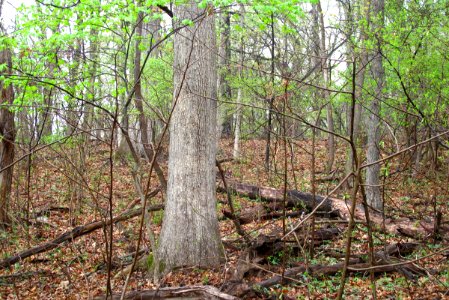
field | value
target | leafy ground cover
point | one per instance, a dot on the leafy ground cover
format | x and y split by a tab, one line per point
77	270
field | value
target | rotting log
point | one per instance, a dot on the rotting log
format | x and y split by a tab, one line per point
258	214
294	198
185	292
265	245
383	261
417	229
73	234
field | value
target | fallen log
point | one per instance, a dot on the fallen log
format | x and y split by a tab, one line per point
48	210
185	292
9	279
265	245
294	198
73	234
417	229
252	216
383	259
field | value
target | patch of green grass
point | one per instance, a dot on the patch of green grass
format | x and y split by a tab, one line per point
386	283
237	205
157	217
150	261
321	286
205	280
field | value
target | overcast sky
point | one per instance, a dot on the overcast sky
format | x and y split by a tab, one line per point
9	11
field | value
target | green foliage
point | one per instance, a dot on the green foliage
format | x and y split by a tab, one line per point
157	217
276	258
150	261
205	280
321	286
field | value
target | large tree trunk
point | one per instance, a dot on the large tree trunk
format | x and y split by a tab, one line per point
190	234
8	134
373	154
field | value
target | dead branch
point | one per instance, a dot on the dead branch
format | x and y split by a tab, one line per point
185	292
73	234
22	275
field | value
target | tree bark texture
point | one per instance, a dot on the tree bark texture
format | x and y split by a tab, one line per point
239	108
373	192
270	99
326	94
238	121
225	120
7	137
190	234
362	62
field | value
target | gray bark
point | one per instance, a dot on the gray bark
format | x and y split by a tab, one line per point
373	193
46	116
138	99
190	234
225	92
271	96
362	62
238	112
238	121
326	80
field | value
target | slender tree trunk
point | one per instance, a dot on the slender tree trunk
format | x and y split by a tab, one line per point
326	94
88	121
46	116
238	120
225	91
238	112
8	134
373	154
271	99
359	82
138	99
190	235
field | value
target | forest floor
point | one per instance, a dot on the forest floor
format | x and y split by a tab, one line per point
77	269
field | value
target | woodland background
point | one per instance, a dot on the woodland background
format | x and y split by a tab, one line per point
312	135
